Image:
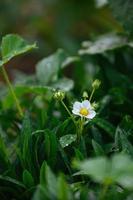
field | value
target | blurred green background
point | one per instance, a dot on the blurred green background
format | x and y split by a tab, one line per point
55	24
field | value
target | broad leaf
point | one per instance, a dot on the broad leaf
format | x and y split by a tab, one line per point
119	169
104	43
48	68
13	45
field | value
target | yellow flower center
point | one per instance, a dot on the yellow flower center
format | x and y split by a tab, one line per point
84	111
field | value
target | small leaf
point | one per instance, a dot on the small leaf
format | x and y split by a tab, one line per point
97	148
13	45
42	174
28	179
63	189
66	140
78	154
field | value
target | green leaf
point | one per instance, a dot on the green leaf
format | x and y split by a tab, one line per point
127	124
26	143
21	90
78	154
13	45
28	179
101	3
123	11
48	179
63	189
64	84
122	141
48	68
104	43
105	125
12	181
40	194
50	147
122	170
70	60
65	158
42	173
3	154
97	168
66	140
97	148
118	169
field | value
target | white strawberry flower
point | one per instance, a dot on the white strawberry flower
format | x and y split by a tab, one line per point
84	109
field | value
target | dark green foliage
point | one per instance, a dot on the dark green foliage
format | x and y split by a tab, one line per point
37	152
123	11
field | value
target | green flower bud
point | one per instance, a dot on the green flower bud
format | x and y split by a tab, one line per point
59	95
85	95
96	84
95	105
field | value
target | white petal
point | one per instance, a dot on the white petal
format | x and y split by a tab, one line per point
91	114
76	105
75	112
86	104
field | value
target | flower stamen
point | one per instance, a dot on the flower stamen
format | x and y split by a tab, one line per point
84	112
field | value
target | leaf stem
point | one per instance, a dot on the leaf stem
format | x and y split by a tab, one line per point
12	91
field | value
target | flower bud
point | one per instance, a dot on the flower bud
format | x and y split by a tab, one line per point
59	95
95	105
96	84
85	95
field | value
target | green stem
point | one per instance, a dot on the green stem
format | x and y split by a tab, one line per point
80	128
92	94
69	113
12	91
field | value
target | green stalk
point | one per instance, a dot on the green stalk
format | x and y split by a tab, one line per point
80	128
92	93
62	102
12	91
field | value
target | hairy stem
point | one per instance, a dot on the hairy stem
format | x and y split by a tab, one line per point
64	105
12	91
